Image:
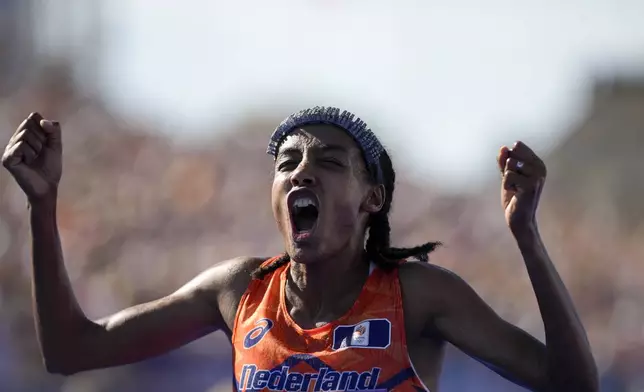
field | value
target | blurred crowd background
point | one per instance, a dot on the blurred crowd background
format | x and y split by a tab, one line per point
147	202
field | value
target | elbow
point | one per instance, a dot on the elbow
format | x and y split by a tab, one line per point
66	355
581	385
573	370
590	383
59	367
60	364
587	382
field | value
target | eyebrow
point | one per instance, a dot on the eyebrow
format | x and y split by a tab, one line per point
324	148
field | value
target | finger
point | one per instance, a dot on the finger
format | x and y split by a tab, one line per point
20	133
35	116
513	181
29	137
13	156
52	131
50	127
37	131
33	140
21	128
521	151
520	167
28	153
502	156
31	123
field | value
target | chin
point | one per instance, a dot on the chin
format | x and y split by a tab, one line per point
304	253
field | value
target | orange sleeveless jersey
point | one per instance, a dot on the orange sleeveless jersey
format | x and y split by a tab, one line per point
365	349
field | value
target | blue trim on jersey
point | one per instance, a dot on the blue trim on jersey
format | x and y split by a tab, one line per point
397	379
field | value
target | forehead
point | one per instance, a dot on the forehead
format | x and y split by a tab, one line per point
319	136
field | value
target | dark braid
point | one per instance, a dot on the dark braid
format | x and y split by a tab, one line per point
378	244
264	270
378	247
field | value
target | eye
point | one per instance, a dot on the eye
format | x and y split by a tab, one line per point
287	165
332	162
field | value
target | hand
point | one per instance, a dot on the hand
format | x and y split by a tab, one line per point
524	175
34	156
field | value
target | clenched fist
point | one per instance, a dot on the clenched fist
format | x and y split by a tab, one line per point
524	175
34	156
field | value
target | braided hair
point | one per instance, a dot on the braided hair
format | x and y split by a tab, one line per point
377	249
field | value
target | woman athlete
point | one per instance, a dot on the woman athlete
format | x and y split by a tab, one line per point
341	309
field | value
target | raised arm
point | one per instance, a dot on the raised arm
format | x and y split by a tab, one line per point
69	341
570	362
452	311
459	315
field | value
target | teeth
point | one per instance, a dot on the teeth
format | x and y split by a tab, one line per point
303	202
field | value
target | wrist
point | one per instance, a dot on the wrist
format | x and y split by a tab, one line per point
526	234
45	202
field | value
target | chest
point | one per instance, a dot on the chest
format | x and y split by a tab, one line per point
331	358
365	349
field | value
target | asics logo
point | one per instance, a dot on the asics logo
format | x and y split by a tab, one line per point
256	334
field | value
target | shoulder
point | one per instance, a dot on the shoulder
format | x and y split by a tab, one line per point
417	275
231	274
430	288
227	278
222	285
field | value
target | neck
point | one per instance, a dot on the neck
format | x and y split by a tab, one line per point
328	287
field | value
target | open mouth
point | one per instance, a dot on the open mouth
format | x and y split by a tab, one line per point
304	211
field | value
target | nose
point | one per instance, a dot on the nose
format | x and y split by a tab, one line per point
302	176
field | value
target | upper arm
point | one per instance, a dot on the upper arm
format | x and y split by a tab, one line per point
156	327
454	311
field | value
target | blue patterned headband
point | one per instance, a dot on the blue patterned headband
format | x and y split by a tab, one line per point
367	141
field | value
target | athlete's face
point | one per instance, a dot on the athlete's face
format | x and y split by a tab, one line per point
321	195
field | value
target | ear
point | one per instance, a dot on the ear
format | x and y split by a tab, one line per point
375	199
